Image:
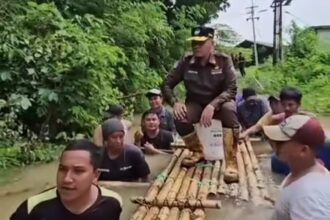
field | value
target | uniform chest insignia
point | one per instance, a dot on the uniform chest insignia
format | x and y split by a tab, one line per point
216	70
192	72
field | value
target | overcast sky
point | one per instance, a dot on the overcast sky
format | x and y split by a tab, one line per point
303	12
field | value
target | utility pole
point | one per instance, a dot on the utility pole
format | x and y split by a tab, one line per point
278	30
253	18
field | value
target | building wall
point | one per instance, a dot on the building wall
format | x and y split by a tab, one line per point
324	35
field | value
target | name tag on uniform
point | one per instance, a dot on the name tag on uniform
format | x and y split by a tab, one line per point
216	71
192	72
125	168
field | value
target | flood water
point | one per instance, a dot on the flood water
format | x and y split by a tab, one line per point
34	179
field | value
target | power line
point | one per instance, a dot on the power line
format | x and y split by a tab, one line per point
258	32
253	18
277	5
277	35
298	18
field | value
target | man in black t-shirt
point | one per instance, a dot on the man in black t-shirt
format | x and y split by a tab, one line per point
156	105
154	139
121	162
165	116
76	196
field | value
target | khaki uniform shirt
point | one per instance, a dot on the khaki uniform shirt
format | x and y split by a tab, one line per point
214	83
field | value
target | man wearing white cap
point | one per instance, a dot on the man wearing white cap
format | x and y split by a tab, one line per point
165	116
305	191
156	105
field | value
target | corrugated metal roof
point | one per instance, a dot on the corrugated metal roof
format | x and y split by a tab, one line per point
266	44
321	27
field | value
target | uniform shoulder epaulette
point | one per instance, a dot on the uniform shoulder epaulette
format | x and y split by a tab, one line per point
187	55
221	55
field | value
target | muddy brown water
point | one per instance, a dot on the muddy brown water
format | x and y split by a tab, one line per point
33	179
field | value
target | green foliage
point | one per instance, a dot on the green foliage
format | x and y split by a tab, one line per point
247	53
306	67
60	69
26	153
226	35
62	62
206	10
303	42
144	41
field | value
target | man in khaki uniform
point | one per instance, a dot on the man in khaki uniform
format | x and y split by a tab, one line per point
210	82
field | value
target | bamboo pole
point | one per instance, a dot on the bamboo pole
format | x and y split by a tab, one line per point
185	214
132	95
199	214
205	182
193	188
139	213
158	183
256	167
214	178
171	178
181	197
152	213
252	180
163	213
255	139
222	188
244	193
176	187
193	203
167	151
233	190
178	145
254	161
174	214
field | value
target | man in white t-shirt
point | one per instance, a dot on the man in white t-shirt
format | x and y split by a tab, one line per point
305	193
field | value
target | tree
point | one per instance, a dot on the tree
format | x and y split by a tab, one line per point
64	61
226	35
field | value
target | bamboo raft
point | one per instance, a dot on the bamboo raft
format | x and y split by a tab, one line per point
179	193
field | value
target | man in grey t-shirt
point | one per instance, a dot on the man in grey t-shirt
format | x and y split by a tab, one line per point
305	191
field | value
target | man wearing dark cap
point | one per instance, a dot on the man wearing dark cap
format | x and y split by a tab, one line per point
287	103
274	116
121	162
210	83
114	111
305	191
251	109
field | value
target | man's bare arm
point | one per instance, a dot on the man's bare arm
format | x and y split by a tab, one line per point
252	130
